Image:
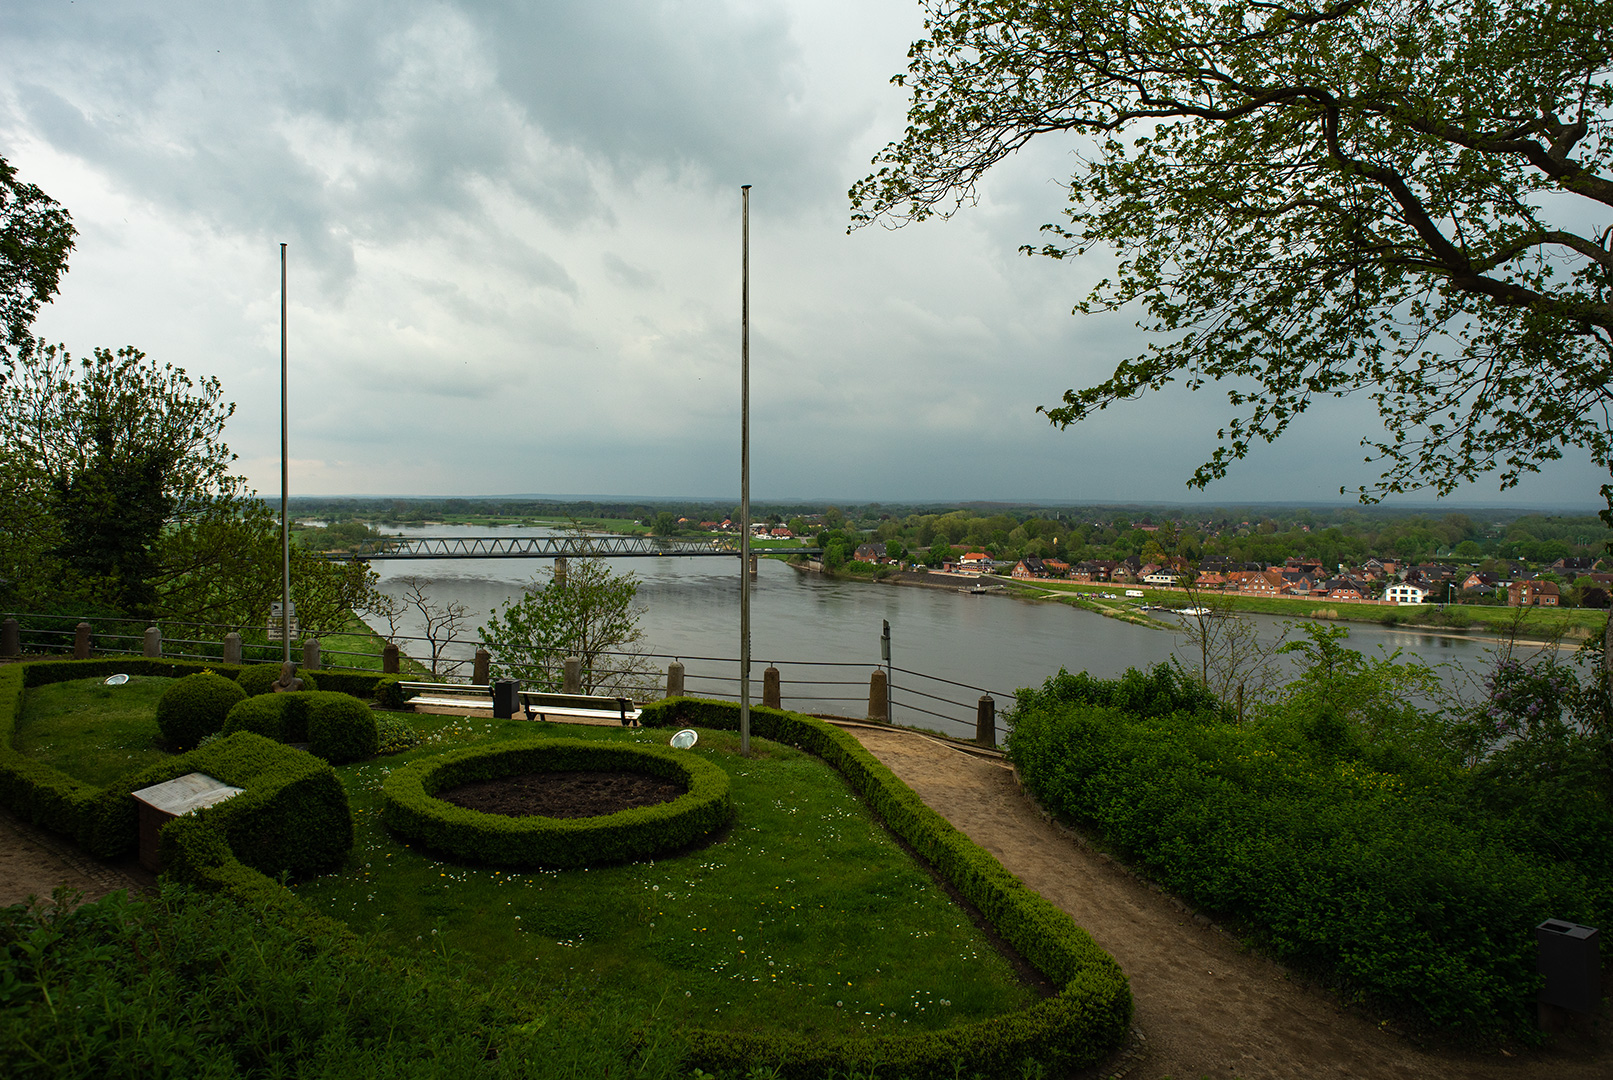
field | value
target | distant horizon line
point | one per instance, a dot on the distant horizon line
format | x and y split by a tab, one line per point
793	500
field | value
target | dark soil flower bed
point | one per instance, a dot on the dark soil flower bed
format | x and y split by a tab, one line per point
563	794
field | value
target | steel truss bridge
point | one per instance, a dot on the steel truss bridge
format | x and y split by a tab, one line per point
546	547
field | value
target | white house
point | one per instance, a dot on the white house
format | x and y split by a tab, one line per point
1405	594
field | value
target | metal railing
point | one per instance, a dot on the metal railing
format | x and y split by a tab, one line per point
839	688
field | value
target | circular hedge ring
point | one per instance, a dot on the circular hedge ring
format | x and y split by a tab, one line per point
412	811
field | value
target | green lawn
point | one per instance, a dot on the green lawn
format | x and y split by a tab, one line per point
806	916
90	731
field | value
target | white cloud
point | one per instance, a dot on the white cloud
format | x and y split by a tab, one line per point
514	255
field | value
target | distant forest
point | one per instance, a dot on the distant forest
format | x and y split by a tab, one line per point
1266	534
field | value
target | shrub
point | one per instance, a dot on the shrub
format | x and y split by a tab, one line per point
340	728
394	735
1393	890
412	810
196	705
260	679
390	694
281	717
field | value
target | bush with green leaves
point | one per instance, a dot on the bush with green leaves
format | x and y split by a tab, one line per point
337	727
389	693
341	728
413	811
1386	882
194	706
201	986
394	735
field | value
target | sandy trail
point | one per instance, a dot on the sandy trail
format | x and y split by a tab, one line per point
1204	1007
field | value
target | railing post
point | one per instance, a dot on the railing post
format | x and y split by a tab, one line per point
310	654
480	666
389	659
81	642
878	701
152	646
986	721
11	638
232	648
674	679
770	688
573	676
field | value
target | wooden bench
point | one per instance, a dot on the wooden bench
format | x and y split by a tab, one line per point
541	706
451	695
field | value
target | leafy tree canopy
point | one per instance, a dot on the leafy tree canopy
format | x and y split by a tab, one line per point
1391	197
36	234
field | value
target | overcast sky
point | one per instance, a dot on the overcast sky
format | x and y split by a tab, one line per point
514	245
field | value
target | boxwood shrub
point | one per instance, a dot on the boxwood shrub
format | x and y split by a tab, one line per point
196	706
337	727
341	728
412	811
1078	1027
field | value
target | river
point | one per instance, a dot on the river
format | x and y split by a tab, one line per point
988	643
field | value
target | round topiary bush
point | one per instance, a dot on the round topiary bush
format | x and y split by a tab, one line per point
195	706
412	810
260	679
341	728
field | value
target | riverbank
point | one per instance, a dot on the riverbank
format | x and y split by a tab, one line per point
1539	626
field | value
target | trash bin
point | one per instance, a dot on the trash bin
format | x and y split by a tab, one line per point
1571	961
506	698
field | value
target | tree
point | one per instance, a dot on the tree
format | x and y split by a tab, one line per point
115	452
36	234
441	623
590	613
1308	200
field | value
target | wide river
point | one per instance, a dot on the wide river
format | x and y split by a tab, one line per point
800	621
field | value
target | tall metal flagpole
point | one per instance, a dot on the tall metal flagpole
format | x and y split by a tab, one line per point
744	474
285	472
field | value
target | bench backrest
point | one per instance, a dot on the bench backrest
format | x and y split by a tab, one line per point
577	701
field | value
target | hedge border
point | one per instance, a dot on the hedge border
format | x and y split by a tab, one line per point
410	807
199	849
1078	1027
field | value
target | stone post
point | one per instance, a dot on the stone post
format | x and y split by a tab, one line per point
572	683
561	571
878	702
310	654
480	666
770	688
389	659
10	638
152	646
986	721
674	679
81	642
232	648
755	561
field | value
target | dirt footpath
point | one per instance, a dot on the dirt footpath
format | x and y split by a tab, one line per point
1204	1008
34	861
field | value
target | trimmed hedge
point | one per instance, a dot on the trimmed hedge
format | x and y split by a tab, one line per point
195	707
360	684
412	811
1082	1024
292	816
336	726
341	728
